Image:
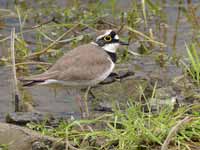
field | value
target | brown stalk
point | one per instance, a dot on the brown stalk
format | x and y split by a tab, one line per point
36	54
33	63
174	130
176	27
15	84
120	29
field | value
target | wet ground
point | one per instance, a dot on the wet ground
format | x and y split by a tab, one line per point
5	92
145	67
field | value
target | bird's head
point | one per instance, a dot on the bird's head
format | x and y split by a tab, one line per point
109	40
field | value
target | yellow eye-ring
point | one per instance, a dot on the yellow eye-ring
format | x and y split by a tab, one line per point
108	38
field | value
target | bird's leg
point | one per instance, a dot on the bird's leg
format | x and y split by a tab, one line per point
86	101
91	93
78	100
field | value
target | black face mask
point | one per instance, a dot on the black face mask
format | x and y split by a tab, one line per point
101	42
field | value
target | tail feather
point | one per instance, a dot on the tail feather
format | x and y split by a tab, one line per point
35	79
31	83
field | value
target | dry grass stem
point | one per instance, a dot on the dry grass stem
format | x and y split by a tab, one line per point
15	85
52	44
33	63
173	131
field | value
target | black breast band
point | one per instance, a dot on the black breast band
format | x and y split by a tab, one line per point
113	56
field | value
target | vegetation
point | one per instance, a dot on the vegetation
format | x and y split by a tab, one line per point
45	33
3	147
130	129
194	60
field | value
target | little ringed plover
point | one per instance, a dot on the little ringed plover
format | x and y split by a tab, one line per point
84	66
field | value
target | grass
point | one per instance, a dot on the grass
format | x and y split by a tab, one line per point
3	147
130	129
194	63
97	14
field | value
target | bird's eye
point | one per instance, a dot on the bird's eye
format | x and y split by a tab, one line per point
108	38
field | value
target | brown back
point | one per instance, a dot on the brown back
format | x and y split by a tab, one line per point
85	62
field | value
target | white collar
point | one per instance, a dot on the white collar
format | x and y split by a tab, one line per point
109	47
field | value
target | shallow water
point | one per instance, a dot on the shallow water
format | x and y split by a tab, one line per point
45	100
5	91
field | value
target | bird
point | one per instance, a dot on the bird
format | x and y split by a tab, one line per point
84	66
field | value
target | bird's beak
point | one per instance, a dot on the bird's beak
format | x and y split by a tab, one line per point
123	43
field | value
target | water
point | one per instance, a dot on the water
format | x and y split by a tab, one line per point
5	92
44	98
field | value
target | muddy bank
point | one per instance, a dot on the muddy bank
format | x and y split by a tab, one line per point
19	138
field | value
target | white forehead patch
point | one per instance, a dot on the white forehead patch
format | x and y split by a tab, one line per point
116	37
106	33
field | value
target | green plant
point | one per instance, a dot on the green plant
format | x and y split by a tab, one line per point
194	61
3	147
130	129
